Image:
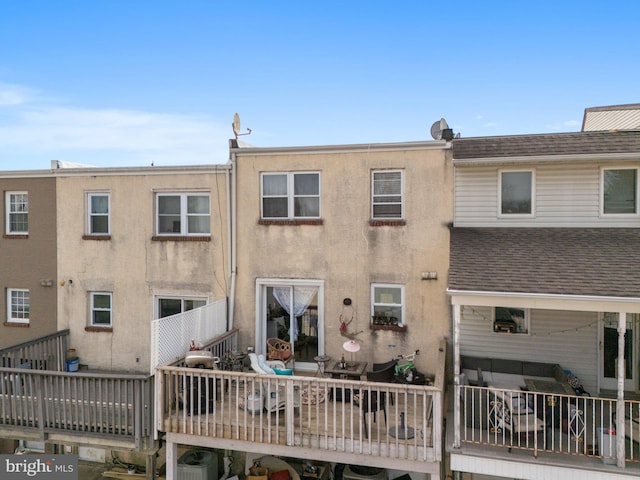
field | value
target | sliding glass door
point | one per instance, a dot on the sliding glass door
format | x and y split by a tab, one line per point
291	310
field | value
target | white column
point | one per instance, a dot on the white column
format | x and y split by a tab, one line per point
456	376
620	434
171	450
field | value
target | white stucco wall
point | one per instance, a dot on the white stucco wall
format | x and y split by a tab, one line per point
345	251
131	265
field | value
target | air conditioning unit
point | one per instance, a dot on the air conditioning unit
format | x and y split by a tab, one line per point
198	465
358	472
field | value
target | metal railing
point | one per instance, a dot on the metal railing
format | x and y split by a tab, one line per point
554	423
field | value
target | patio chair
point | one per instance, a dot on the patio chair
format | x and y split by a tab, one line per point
377	401
510	410
273	393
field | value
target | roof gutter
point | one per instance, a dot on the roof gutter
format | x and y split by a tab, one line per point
574	157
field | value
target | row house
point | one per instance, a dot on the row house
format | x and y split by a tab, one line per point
546	306
335	246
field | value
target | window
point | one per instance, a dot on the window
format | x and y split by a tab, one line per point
387	306
291	195
510	320
516	192
101	309
98	208
172	305
387	192
619	191
183	214
17	305
17	206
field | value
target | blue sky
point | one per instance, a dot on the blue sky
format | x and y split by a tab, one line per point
128	83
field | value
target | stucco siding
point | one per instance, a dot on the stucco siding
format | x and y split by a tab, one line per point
346	252
131	264
565	195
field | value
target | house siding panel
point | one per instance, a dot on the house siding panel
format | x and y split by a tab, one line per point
565	196
556	337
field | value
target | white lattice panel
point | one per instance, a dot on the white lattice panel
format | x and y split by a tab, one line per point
171	336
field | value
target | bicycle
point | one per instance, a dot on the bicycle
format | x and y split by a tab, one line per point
405	370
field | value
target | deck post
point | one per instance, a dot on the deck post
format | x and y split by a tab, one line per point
456	375
620	433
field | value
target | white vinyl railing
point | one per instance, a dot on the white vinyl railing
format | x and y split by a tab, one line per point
171	336
567	424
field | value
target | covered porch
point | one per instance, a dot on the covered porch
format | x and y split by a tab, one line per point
545	327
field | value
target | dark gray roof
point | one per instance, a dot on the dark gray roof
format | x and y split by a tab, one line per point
587	143
563	261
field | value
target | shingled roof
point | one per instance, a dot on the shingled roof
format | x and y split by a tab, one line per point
578	143
562	261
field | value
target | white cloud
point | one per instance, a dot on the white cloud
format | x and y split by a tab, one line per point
33	129
572	123
14	94
490	125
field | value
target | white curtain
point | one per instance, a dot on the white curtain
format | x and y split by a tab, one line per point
302	297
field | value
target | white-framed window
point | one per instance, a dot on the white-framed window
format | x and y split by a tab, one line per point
167	306
101	307
510	320
619	191
290	195
18	304
17	213
387	304
387	194
98	210
516	192
183	214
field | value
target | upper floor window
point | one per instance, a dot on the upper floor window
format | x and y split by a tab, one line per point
172	305
516	192
510	320
17	305
101	309
387	304
387	194
620	191
98	210
183	214
17	213
291	195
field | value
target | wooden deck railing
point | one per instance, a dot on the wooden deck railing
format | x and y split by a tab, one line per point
302	413
117	409
43	353
39	400
551	423
298	411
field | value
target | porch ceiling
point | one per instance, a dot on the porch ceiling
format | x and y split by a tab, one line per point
574	262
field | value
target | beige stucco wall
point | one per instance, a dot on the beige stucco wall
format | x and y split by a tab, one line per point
345	251
130	264
24	262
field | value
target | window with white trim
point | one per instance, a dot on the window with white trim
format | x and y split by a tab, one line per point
516	192
101	309
98	213
387	304
17	213
183	214
167	306
387	189
290	195
619	191
510	320
18	305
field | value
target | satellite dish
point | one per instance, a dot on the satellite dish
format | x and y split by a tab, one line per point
440	129
236	126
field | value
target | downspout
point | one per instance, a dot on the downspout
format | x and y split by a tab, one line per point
231	213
